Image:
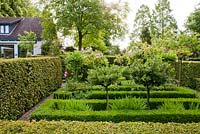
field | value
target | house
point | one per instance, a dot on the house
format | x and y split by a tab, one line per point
11	28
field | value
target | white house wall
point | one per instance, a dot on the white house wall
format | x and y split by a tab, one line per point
37	48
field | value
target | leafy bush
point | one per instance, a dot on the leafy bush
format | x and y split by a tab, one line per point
92	61
24	82
111	59
74	127
128	104
74	63
169	105
122	60
72	105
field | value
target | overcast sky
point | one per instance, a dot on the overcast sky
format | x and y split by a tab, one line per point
181	10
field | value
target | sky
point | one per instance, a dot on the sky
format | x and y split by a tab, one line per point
181	9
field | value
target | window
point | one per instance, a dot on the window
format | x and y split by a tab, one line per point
2	29
6	29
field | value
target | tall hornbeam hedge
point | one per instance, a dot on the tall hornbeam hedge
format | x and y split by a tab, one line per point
24	82
190	71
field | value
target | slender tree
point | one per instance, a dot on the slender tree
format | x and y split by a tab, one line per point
163	20
142	25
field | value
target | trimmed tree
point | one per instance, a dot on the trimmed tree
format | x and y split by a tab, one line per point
105	76
150	69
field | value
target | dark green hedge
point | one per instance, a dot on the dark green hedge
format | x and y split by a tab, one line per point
184	116
190	70
24	82
74	127
197	84
123	94
141	94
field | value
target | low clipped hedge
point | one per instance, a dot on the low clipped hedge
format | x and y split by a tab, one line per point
190	70
74	127
98	105
141	94
157	92
184	116
24	82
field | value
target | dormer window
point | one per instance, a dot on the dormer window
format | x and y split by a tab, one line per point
4	29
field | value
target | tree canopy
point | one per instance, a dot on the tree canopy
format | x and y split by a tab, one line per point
193	21
83	19
17	8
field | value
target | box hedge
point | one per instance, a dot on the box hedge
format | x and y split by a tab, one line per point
123	94
184	116
24	82
189	71
74	127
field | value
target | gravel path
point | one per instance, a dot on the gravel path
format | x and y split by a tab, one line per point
28	113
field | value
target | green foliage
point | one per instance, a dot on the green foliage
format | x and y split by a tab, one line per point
104	76
18	8
71	105
49	34
142	25
89	21
77	86
193	21
191	43
74	63
60	127
156	24
78	63
27	42
24	82
111	58
175	106
190	71
194	106
122	60
148	68
163	20
128	104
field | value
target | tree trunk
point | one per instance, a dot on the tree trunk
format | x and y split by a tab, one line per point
107	99
148	96
80	38
179	71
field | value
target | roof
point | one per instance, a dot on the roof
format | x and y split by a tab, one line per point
22	25
9	20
